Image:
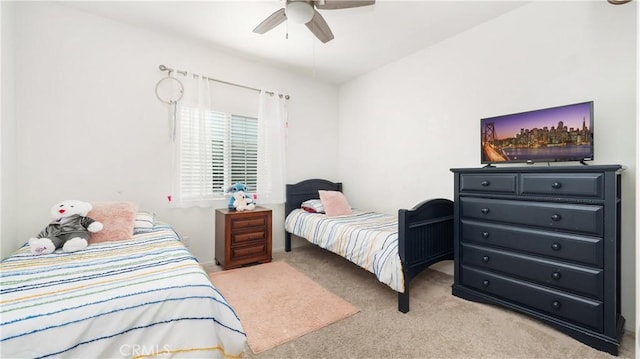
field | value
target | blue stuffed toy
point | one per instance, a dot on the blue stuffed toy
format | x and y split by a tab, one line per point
238	188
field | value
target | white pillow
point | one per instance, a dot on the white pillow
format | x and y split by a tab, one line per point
145	221
313	206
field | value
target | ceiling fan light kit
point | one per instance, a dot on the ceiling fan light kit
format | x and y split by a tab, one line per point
305	12
299	12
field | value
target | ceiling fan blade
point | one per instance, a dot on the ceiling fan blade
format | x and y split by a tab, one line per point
320	28
342	4
272	21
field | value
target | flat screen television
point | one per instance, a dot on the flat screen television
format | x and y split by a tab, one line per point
556	134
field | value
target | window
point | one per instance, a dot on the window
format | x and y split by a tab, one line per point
243	153
225	134
217	149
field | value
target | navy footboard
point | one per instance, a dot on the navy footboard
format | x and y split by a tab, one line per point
425	237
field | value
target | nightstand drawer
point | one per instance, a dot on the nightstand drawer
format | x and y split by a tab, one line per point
573	185
565	246
573	308
244	237
239	223
239	253
580	280
568	217
488	183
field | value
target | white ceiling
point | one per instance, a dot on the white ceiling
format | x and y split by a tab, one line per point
365	38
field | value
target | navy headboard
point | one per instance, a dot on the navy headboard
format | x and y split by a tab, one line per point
307	189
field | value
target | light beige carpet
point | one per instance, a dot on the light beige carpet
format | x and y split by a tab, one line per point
276	303
439	325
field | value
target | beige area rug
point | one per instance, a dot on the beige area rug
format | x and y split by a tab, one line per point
276	303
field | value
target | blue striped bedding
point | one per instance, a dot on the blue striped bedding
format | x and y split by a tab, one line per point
367	239
142	297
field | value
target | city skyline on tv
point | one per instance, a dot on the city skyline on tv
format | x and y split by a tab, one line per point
572	116
553	134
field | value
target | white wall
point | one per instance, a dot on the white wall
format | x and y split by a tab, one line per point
89	125
403	126
7	130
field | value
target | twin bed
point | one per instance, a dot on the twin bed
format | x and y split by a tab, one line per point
142	297
395	249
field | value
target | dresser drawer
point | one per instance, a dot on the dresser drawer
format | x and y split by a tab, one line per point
579	280
244	222
564	246
576	309
568	217
488	183
588	185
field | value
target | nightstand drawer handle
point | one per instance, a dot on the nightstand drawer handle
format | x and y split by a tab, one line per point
485	183
485	282
556	185
556	305
485	259
556	217
485	210
485	235
556	246
556	275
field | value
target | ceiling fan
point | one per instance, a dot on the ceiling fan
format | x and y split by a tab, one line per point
306	12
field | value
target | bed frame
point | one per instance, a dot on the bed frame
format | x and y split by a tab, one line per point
425	232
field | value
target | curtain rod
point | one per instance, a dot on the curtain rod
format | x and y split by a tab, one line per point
184	72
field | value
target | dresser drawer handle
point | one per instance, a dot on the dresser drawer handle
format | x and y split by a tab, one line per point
556	217
556	275
556	185
485	210
556	246
556	305
485	259
485	235
485	183
486	282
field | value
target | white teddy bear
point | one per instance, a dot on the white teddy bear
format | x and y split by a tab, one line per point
69	229
242	202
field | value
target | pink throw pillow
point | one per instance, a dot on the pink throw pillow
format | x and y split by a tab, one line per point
118	219
334	203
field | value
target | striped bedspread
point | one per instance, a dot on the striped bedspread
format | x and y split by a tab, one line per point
142	297
367	239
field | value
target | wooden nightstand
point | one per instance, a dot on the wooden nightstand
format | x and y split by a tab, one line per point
242	237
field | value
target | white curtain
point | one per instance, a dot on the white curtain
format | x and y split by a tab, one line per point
193	172
272	124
